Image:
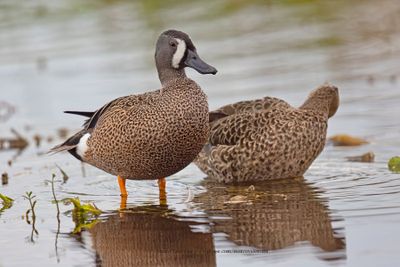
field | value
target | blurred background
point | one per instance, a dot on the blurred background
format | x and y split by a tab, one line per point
80	54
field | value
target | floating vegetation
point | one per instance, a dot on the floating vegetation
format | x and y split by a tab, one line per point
4	178
30	197
394	164
13	143
84	208
6	202
367	157
83	215
347	140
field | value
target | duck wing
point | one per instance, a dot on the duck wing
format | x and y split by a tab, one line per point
247	106
231	123
231	129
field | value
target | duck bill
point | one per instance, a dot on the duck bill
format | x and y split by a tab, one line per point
194	61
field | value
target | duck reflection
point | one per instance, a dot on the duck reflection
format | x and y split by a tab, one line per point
150	236
270	215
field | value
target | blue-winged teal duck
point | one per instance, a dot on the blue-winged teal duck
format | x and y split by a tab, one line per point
267	138
150	135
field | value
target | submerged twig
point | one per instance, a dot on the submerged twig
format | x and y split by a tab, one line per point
64	174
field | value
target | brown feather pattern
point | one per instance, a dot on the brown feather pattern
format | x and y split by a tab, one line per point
267	138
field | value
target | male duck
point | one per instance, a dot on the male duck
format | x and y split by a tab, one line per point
267	138
150	135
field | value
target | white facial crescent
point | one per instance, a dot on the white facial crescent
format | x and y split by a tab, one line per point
179	53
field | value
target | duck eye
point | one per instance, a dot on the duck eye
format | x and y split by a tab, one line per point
172	44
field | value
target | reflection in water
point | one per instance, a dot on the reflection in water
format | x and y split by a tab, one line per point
271	215
150	236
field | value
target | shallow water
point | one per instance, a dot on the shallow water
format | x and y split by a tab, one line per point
78	55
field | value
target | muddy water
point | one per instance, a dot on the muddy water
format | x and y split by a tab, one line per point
80	54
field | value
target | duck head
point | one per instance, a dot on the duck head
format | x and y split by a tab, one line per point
175	51
324	98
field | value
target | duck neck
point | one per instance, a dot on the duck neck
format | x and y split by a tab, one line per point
317	104
167	75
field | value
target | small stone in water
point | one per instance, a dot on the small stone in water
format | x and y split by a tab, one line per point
4	178
367	157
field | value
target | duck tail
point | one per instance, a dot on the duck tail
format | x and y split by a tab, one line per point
88	114
60	148
69	145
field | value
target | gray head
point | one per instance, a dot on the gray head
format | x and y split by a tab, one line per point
175	51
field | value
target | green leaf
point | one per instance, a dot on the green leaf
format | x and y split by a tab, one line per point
83	208
6	202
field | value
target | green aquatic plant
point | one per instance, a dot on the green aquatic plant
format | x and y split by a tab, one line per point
7	202
52	181
58	214
30	197
394	164
83	215
84	208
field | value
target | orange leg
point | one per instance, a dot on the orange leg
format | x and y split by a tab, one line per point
163	194
124	194
122	205
122	188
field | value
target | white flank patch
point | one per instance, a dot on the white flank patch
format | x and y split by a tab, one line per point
179	53
82	146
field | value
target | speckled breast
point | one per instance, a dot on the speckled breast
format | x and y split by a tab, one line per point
152	135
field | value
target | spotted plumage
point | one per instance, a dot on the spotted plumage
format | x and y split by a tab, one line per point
150	135
267	138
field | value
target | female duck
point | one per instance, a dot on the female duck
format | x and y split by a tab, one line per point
150	135
267	138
